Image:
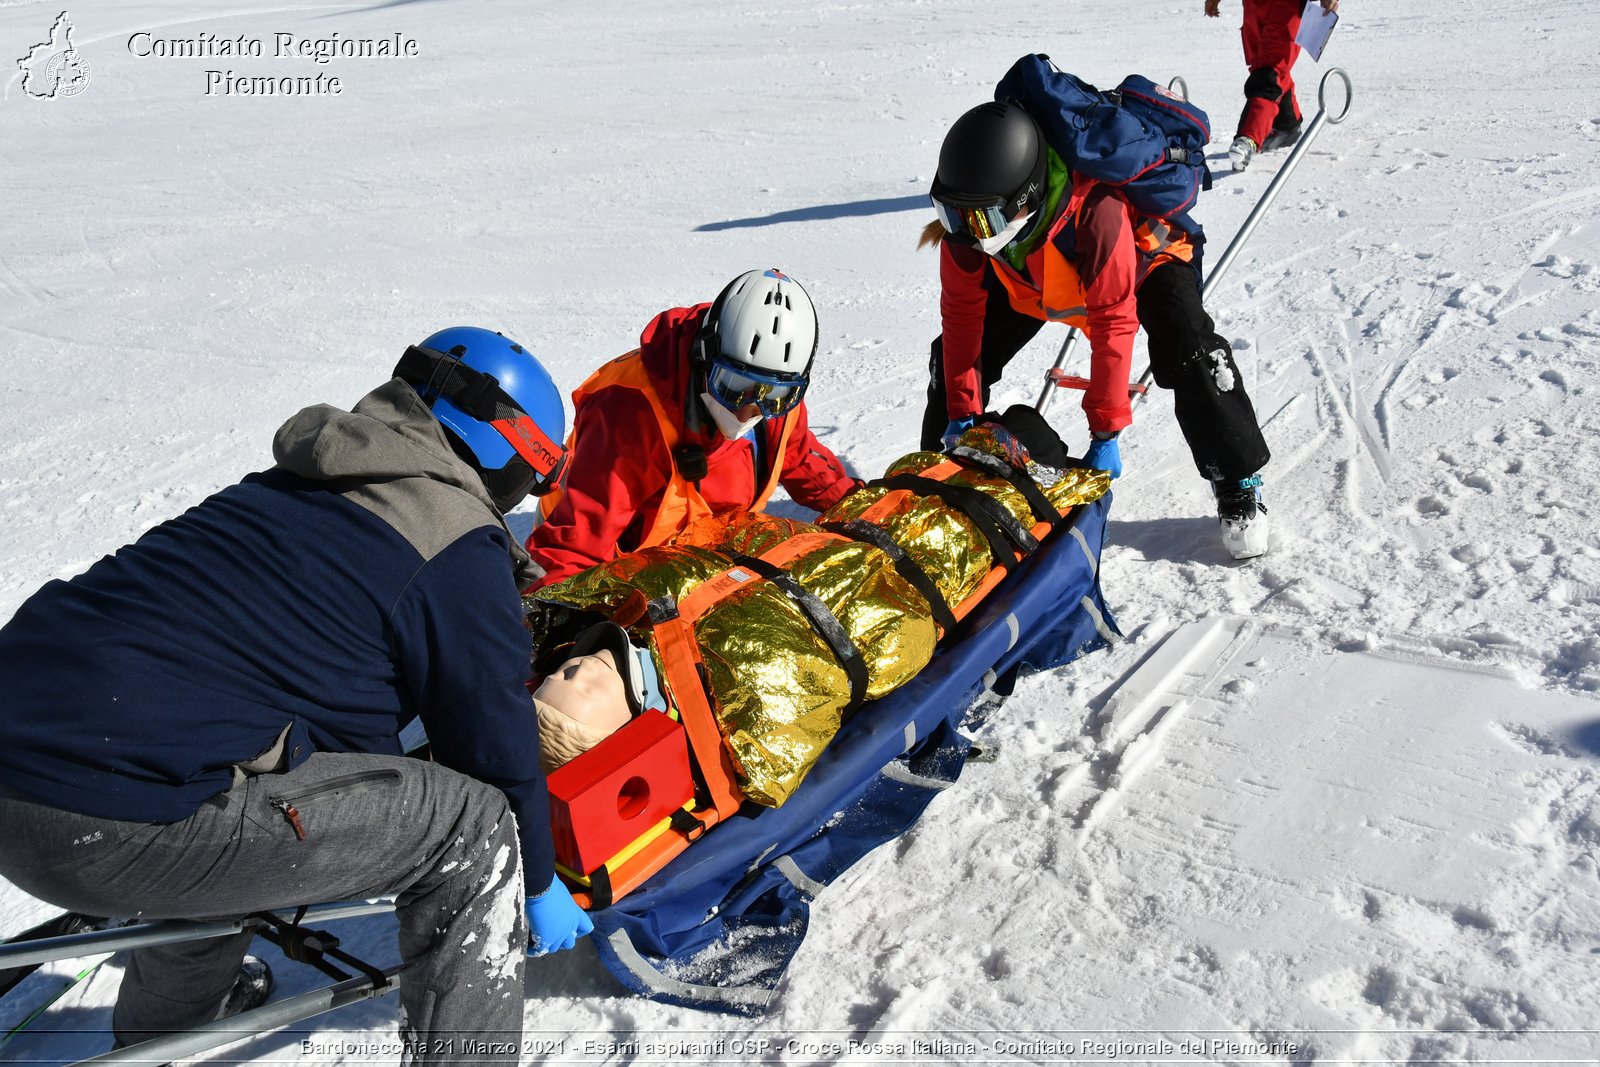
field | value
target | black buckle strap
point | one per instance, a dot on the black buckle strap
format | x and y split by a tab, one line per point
872	534
662	609
822	621
1020	479
686	825
313	947
995	523
600	888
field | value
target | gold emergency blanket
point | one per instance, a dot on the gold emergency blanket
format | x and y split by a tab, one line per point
778	691
945	543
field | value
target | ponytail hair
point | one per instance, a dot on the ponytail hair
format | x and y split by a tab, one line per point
932	235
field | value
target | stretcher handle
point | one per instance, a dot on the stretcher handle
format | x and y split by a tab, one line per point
1062	380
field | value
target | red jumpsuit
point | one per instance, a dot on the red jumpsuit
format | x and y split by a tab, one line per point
621	470
1269	51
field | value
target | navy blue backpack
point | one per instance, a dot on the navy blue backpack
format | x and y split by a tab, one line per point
1146	141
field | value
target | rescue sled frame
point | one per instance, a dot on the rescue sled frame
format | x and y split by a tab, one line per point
25	952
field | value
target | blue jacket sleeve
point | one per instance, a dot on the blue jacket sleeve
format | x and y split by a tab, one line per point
464	656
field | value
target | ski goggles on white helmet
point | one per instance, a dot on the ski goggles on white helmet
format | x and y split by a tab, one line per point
734	386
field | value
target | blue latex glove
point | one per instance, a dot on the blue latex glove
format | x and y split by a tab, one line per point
1104	456
957	427
555	922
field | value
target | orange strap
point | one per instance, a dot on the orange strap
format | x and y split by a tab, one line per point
680	656
708	593
886	504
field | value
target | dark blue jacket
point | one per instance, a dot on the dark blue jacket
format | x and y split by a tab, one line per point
365	580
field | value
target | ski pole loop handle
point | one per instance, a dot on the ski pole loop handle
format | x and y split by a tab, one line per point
1322	94
1179	86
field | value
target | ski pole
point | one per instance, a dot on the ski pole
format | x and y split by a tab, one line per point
1055	379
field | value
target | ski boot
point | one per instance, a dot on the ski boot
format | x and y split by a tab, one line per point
1241	152
1243	517
251	989
1281	137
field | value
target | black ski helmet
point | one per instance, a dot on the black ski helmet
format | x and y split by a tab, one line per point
993	154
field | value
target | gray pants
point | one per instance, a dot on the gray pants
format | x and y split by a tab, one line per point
442	843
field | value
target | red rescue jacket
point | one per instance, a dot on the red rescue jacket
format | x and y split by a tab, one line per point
623	490
1085	274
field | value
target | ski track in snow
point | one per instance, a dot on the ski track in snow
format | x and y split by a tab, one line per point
1418	321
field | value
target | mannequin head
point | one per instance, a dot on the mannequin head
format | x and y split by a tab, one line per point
579	705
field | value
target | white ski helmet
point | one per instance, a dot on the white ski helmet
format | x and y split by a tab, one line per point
754	350
763	320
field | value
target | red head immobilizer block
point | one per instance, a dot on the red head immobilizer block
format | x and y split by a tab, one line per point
617	790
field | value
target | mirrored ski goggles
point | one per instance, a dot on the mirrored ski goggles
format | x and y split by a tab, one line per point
736	386
979	223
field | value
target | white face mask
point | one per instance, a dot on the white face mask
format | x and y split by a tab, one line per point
727	421
992	245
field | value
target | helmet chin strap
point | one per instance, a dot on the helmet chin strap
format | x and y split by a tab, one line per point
694	408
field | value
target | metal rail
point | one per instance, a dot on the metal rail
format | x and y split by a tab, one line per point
165	932
254	1023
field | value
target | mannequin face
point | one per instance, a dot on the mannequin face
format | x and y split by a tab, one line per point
588	689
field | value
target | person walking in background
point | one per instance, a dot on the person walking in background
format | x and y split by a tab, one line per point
707	415
1271	117
1023	240
206	723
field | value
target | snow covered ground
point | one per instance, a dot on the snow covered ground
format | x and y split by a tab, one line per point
1345	797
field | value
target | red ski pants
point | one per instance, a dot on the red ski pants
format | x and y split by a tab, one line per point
1269	52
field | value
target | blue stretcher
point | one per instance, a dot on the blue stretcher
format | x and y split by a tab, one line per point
716	928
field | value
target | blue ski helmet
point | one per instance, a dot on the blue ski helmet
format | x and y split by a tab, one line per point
501	411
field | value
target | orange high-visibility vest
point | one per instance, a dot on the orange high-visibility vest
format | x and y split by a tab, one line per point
681	503
1060	297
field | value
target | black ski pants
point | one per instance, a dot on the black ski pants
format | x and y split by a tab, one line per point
1187	356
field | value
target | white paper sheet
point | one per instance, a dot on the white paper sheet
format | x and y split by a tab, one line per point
1316	26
